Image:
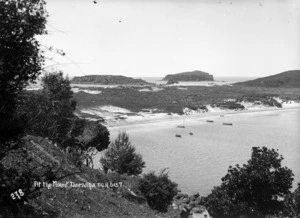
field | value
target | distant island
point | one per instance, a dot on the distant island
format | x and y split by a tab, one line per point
286	79
189	76
108	80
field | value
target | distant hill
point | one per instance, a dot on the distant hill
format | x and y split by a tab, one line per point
190	76
108	80
286	79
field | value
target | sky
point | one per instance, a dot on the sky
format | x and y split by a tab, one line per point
153	38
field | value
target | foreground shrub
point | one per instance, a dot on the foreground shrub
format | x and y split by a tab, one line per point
292	204
159	190
121	157
296	197
84	140
256	189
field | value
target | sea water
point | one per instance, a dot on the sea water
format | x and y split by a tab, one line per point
158	80
197	162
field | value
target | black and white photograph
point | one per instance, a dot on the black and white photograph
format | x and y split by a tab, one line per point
150	108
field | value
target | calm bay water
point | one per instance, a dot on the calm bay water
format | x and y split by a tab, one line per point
158	80
198	162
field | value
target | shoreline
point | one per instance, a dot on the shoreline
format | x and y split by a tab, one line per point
167	120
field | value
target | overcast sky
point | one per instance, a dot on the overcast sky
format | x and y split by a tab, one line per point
141	38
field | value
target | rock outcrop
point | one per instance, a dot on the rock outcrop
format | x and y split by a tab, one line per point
190	76
190	206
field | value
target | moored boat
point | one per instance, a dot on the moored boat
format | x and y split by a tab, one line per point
181	126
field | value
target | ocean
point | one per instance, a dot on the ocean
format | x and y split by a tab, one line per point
158	80
198	162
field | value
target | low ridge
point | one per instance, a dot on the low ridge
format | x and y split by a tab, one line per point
108	80
285	79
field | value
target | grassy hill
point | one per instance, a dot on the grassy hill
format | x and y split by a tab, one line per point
286	79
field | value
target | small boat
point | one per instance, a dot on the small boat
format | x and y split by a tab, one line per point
228	124
181	126
209	121
221	115
177	135
191	133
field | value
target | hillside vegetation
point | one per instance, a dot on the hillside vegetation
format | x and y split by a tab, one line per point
286	79
190	76
71	201
172	99
108	80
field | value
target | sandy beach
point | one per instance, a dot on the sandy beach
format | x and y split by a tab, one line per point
162	120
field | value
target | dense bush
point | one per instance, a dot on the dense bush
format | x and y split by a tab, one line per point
20	62
292	204
121	157
171	82
296	197
87	134
265	99
20	58
50	112
230	105
255	189
159	190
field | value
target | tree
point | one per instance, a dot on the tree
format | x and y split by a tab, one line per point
20	58
89	134
254	189
292	203
121	157
50	112
86	138
296	197
58	94
158	190
20	62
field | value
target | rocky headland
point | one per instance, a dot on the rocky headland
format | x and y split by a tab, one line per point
189	76
108	80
